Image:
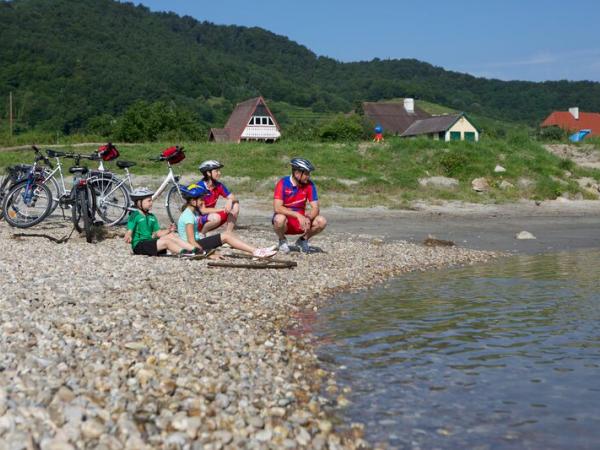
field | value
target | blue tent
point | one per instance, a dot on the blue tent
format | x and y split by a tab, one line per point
578	137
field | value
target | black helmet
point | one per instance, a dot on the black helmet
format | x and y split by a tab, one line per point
141	193
209	165
302	164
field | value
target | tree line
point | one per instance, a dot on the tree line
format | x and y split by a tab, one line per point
93	65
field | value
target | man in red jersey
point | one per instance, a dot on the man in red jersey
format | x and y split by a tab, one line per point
289	205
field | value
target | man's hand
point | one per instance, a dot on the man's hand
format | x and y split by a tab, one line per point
304	222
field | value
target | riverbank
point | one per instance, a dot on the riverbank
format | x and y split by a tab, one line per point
108	350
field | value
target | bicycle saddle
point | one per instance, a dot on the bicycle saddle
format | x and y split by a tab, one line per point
81	170
125	164
55	154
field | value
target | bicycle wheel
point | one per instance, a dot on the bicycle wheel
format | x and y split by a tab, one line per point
87	213
26	204
112	199
55	190
80	212
174	204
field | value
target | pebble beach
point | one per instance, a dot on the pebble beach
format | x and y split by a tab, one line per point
102	349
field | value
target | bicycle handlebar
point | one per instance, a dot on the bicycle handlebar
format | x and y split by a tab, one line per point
39	156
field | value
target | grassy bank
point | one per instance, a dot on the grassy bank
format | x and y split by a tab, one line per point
370	174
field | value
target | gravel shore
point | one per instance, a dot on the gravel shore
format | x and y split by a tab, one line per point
102	349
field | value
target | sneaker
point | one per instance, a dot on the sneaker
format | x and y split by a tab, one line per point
264	253
283	246
303	245
186	253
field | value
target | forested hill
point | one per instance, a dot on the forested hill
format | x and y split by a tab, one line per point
69	61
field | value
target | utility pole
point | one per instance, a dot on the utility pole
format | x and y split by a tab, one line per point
10	118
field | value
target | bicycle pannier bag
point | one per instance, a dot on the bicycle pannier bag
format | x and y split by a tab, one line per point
174	154
108	152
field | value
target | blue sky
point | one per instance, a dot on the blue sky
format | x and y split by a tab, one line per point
507	39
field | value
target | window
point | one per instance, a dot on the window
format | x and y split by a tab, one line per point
469	136
264	121
271	121
455	135
251	121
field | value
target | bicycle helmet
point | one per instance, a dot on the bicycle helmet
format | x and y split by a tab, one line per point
193	191
302	164
141	193
209	165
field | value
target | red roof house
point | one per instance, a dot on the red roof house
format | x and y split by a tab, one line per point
250	121
573	120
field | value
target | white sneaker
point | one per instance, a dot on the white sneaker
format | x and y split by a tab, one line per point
283	246
264	253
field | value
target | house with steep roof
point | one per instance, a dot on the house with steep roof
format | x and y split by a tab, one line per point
573	120
446	127
394	117
251	120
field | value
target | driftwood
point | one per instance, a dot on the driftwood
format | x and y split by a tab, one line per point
252	263
62	240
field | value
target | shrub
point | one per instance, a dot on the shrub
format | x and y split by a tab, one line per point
453	163
343	128
552	134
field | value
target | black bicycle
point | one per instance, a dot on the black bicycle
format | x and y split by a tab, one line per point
83	196
28	200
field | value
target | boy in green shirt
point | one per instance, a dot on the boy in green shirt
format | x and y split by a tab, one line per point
144	233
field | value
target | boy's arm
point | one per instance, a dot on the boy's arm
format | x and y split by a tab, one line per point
128	236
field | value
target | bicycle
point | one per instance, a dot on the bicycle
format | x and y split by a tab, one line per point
109	185
82	197
28	201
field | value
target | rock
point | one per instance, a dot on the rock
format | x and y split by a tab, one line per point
432	241
504	185
480	185
3	401
92	429
499	169
439	182
525	183
135	346
264	435
524	235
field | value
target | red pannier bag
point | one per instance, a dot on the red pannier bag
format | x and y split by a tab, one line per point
108	152
174	154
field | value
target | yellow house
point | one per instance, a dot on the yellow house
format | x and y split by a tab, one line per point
447	127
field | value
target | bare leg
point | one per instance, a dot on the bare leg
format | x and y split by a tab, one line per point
173	243
236	242
280	225
214	221
318	224
232	217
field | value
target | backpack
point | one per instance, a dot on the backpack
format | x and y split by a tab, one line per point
108	152
173	154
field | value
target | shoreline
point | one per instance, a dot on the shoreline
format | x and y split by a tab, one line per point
101	350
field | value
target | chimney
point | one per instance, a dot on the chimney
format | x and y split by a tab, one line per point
409	105
574	112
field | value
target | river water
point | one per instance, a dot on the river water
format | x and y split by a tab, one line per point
501	356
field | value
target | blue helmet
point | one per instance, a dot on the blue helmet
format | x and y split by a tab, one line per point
193	191
378	129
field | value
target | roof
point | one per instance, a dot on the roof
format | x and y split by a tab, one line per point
393	117
565	120
434	124
241	116
218	135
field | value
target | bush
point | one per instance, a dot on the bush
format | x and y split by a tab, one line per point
552	134
453	163
343	128
145	121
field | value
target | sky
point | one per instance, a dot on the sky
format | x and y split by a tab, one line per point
534	40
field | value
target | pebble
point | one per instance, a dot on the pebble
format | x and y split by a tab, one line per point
127	352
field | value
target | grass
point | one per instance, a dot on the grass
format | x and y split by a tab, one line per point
363	173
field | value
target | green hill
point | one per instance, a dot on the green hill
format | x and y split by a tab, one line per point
71	64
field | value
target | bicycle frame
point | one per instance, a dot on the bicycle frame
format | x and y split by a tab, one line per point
171	179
